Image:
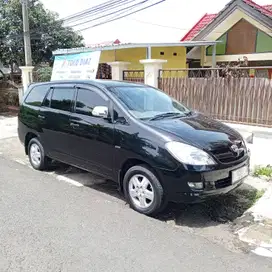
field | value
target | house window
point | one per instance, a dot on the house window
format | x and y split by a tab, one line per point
264	42
162	53
175	54
220	47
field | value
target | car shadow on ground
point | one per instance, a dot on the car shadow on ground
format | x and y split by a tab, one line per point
219	210
88	180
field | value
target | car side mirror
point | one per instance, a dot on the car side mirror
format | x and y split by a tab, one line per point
100	111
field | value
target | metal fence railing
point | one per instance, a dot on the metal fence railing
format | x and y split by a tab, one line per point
134	75
236	72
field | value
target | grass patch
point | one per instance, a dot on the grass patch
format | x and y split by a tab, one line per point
252	196
258	195
263	171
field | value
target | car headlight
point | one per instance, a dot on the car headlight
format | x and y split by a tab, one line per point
188	154
246	147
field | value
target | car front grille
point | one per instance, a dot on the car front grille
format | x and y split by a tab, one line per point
226	155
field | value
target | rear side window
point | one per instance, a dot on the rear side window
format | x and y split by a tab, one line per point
36	95
62	98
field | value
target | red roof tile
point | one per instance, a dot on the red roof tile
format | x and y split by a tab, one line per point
208	18
262	9
268	7
201	24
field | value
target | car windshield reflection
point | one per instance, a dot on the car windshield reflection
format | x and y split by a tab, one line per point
148	103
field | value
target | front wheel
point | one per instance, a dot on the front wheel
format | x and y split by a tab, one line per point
143	190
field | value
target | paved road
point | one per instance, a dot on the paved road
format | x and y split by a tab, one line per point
49	225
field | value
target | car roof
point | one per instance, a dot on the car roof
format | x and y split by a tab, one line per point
97	82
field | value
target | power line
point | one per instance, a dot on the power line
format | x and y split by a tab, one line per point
103	5
120	17
104	13
90	9
84	14
112	13
166	26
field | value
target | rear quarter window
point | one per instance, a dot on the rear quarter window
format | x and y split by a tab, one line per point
36	95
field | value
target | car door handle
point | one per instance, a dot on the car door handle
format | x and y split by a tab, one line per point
41	116
74	125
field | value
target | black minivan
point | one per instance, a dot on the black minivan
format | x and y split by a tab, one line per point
157	149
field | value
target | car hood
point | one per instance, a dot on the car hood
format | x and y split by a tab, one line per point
198	130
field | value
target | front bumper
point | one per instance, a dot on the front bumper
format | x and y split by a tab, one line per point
216	182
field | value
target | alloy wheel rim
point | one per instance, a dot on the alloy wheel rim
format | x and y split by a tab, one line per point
35	154
141	191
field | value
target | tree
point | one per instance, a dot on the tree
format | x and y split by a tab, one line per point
46	31
43	74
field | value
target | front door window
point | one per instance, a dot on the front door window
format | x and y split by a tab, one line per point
87	100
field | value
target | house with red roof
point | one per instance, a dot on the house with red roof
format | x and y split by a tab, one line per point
242	27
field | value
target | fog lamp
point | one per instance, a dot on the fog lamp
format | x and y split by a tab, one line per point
196	185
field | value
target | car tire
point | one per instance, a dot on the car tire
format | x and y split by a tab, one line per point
143	190
36	155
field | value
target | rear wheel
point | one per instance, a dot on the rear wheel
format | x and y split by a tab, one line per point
36	155
143	190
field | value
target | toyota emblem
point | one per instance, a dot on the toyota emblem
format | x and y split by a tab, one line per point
235	149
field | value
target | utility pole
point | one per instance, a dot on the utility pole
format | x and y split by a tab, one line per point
27	76
27	44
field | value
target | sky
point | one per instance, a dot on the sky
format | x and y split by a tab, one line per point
178	15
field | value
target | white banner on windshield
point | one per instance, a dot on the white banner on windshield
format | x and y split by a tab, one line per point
76	66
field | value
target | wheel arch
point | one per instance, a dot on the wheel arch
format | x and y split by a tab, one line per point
28	137
130	163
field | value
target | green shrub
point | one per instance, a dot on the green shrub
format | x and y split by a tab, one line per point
42	74
263	171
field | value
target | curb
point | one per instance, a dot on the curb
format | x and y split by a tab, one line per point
256	225
262	208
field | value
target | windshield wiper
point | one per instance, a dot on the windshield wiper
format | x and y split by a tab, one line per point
164	115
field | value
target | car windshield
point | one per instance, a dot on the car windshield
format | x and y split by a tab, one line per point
148	103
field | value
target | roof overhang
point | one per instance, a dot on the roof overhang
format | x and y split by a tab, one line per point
254	13
263	13
229	8
133	45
